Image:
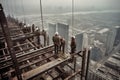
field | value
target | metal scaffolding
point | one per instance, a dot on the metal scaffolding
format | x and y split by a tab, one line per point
25	57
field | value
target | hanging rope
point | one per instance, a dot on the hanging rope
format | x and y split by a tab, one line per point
11	8
22	6
7	7
41	15
15	9
72	16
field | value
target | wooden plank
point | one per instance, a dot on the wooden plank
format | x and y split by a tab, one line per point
35	72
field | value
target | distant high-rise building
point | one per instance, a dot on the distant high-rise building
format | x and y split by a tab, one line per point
63	30
117	37
101	35
96	54
82	41
110	41
51	31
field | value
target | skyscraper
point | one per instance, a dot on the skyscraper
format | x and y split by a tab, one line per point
117	37
82	41
110	41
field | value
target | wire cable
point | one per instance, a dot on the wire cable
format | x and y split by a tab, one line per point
7	7
15	9
72	16
22	6
41	15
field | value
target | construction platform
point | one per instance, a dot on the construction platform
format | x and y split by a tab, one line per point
23	57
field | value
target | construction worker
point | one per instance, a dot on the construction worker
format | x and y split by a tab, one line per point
73	45
33	28
37	32
56	41
36	29
62	45
24	28
28	28
45	36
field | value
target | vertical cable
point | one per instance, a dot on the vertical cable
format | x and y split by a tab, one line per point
72	16
22	6
41	15
15	9
11	7
7	7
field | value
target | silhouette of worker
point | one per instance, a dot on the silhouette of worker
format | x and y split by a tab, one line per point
73	45
62	45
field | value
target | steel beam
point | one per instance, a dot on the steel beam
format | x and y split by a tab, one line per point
83	65
3	23
87	66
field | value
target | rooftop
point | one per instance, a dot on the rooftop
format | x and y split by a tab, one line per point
103	30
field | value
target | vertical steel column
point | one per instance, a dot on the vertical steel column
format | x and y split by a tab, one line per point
87	65
74	64
83	64
41	15
3	23
38	40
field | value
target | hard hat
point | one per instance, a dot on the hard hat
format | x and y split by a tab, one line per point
28	25
25	26
73	36
56	33
36	28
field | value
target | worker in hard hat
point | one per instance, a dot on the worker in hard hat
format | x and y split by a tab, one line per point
62	45
28	28
24	28
56	41
33	30
73	45
37	33
36	29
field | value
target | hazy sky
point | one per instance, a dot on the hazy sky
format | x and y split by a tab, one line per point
51	5
85	3
81	3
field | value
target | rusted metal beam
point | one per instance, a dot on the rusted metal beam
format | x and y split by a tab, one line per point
28	57
32	53
32	63
70	67
83	65
74	64
3	23
35	72
31	44
87	65
7	55
20	47
36	45
73	75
